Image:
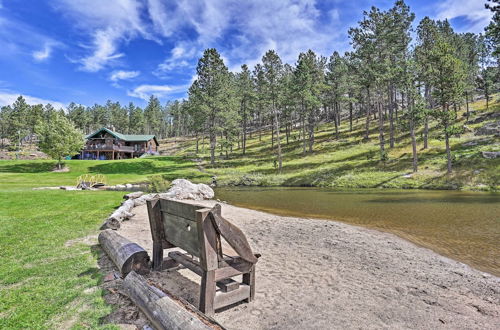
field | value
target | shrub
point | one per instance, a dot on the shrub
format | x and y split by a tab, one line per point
157	184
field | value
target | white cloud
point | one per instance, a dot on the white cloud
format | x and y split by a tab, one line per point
249	29
43	54
105	50
7	98
109	23
477	16
145	91
183	55
18	38
123	75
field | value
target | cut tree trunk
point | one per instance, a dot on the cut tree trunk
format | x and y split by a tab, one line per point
126	255
164	310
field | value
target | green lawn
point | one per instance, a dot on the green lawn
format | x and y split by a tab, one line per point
350	162
46	282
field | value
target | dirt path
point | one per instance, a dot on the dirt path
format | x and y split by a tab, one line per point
316	274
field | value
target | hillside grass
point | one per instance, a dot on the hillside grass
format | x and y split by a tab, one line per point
49	277
350	162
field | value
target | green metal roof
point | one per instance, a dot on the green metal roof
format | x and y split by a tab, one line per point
124	137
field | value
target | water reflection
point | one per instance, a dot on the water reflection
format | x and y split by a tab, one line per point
461	225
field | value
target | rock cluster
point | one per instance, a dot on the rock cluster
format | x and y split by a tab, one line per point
492	128
180	189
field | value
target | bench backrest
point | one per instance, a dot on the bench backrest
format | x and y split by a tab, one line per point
180	225
196	229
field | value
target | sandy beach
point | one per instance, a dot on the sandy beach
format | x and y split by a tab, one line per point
319	274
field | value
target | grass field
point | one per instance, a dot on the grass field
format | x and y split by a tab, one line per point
350	162
48	277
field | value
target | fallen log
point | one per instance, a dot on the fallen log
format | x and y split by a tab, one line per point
126	255
164	310
133	195
120	214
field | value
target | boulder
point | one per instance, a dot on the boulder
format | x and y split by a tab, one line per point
491	154
185	189
489	129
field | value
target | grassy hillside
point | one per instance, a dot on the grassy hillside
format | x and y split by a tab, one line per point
350	162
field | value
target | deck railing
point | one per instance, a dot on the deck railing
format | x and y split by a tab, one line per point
109	147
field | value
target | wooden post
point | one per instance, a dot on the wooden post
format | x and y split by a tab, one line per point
249	279
157	234
113	156
207	294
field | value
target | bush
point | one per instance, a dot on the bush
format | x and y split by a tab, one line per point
157	184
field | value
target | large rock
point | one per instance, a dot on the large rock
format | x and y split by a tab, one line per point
491	154
489	129
185	189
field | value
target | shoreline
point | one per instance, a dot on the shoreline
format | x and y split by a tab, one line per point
324	274
479	189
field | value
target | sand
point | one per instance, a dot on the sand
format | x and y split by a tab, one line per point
319	274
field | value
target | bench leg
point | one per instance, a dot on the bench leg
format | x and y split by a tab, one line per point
207	294
249	279
157	255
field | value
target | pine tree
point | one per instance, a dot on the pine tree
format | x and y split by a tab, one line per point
493	29
447	74
246	95
136	119
17	125
273	72
337	82
77	114
211	93
153	116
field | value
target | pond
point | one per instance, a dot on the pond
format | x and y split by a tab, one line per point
464	226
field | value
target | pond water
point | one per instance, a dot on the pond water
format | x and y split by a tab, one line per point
464	226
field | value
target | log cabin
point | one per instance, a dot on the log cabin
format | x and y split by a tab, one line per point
107	144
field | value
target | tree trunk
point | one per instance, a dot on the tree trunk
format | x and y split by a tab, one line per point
391	118
303	130
311	131
335	121
350	116
244	140
447	144
413	140
338	114
213	142
368	115
467	106
272	136
427	95
381	131
448	151
426	131
280	162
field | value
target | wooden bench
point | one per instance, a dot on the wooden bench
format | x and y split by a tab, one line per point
198	231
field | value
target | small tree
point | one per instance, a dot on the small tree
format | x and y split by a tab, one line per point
59	137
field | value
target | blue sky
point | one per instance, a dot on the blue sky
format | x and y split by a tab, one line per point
89	51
